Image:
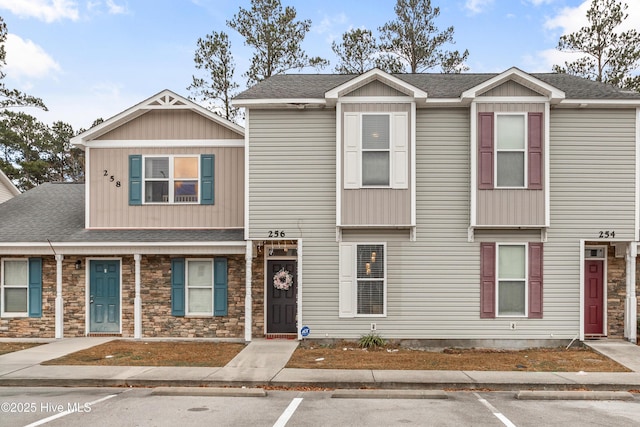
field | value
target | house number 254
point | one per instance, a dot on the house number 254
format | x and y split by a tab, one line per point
606	234
276	233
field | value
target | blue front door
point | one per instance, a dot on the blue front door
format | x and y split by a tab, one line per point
104	296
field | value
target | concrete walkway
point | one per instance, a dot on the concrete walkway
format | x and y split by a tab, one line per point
263	362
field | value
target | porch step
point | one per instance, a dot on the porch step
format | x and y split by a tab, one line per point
104	335
281	336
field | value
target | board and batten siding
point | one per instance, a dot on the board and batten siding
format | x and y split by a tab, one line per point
510	88
375	88
511	207
377	206
109	205
170	124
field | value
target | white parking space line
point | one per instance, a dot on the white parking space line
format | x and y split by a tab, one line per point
286	415
65	413
495	412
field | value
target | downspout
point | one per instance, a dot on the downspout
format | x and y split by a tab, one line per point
137	300
631	301
59	316
248	318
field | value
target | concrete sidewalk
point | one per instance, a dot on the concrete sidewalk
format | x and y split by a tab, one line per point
262	363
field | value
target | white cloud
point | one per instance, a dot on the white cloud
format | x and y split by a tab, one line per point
115	9
45	10
539	2
571	19
27	59
477	6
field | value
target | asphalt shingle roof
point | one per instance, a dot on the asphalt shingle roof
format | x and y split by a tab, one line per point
55	212
436	85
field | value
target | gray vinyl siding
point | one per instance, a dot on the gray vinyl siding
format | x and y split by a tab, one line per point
292	188
433	282
5	194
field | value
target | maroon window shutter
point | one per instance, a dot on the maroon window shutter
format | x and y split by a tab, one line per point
487	280
485	151
535	151
535	280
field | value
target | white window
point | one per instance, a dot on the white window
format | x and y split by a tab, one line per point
376	150
199	283
171	179
512	280
363	279
511	150
15	287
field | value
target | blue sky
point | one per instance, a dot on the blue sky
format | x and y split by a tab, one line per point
95	58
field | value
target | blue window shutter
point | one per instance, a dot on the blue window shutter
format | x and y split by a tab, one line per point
35	287
177	286
135	179
206	179
220	287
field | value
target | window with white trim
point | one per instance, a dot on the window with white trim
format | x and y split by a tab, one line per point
512	279
199	285
370	279
171	179
15	287
511	163
376	150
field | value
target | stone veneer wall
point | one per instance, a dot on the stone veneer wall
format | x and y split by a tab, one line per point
617	293
155	292
40	327
257	295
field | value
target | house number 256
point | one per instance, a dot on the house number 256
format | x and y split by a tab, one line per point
276	233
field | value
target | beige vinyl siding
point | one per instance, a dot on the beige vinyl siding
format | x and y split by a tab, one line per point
170	124
377	206
375	88
510	88
109	205
5	193
511	207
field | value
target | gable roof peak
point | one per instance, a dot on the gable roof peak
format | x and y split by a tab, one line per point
515	74
375	74
165	99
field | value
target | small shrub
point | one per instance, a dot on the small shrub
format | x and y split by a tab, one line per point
371	341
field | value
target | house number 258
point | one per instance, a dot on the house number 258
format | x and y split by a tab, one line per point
276	233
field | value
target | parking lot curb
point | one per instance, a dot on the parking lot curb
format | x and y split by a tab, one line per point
573	395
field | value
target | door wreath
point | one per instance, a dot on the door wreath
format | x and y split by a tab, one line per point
282	280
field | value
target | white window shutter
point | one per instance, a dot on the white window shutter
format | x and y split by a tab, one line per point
351	142
400	150
347	284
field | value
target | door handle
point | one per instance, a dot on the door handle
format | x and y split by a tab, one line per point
91	299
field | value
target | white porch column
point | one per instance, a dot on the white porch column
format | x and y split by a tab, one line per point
248	302
59	307
631	301
137	301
